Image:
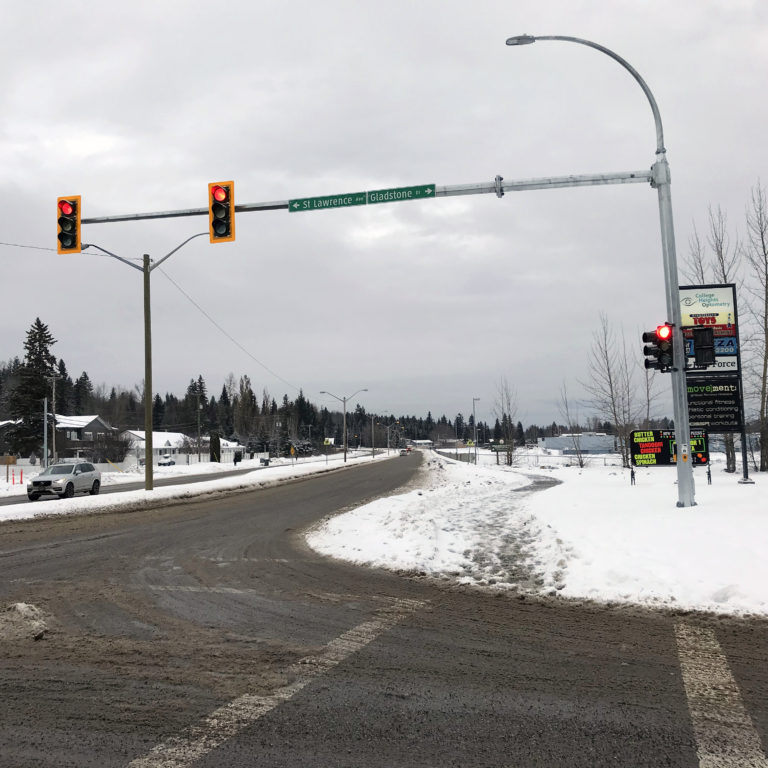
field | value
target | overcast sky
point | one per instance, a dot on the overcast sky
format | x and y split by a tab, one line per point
138	107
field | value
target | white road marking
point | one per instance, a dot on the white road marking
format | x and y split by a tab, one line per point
725	735
227	721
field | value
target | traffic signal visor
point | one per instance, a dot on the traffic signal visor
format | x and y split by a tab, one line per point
221	211
68	224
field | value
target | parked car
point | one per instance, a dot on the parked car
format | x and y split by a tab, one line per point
166	461
64	481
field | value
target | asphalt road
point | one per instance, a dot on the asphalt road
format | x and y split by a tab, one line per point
207	634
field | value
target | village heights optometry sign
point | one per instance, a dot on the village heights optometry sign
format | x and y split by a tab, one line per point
715	400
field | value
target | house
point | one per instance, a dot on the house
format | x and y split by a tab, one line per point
163	443
85	437
4	427
176	445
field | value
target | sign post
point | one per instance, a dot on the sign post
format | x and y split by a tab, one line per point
713	361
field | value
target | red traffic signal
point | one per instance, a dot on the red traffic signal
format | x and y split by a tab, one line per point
221	211
659	352
68	224
219	193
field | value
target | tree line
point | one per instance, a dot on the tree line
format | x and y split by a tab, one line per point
260	422
619	392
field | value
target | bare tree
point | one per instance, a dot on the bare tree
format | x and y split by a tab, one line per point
610	384
505	410
694	264
571	418
756	250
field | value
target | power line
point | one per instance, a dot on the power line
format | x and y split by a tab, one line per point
233	340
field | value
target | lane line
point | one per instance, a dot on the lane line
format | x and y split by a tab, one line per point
227	721
725	735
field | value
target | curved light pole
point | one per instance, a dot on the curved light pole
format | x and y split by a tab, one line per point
661	180
146	269
343	400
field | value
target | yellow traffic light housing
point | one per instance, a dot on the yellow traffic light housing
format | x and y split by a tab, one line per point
221	211
68	223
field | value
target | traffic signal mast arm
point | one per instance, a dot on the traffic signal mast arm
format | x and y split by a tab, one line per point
493	187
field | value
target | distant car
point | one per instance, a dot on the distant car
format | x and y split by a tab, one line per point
166	461
403	451
65	480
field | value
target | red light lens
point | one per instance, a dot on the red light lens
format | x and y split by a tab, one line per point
66	207
219	193
664	332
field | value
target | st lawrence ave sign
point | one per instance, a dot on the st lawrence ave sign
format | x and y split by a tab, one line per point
394	195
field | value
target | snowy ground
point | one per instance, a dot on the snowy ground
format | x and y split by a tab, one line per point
593	535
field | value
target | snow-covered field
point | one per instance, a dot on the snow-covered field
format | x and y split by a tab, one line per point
592	535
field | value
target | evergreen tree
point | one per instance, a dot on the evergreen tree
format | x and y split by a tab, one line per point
82	395
158	412
65	390
26	400
224	414
246	410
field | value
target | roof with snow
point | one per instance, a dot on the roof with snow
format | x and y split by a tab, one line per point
77	422
159	439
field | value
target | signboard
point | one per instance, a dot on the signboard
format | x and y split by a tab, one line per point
711	306
714	403
393	195
328	201
657	447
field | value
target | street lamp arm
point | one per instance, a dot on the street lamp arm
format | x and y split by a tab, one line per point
527	39
168	255
113	255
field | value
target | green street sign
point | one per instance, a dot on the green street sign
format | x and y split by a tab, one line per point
329	201
401	193
393	195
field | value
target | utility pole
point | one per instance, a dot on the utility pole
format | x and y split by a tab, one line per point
197	393
146	270
52	378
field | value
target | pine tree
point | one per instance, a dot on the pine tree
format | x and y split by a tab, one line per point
158	412
82	395
25	402
224	413
65	390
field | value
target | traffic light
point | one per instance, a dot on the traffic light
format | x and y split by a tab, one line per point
659	355
68	222
221	211
704	347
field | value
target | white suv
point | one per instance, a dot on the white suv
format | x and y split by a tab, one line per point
64	481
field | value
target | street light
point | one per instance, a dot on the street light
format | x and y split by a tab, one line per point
146	269
660	179
343	400
474	425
